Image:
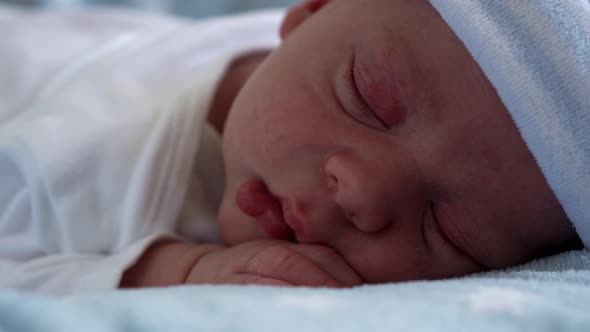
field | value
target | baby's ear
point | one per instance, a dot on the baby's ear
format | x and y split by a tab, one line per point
298	14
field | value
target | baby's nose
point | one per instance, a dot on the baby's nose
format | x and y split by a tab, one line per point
365	192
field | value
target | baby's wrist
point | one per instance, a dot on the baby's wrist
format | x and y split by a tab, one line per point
165	264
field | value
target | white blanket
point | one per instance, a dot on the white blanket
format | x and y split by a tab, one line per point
102	139
548	295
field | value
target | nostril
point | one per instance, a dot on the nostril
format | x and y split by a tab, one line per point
349	215
332	180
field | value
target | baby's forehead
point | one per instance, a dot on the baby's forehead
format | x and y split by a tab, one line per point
383	22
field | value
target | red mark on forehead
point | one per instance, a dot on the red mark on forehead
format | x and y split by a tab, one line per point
382	88
315	5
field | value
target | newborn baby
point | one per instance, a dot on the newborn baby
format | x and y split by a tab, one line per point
369	147
372	131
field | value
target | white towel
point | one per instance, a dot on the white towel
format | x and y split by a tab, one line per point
551	294
537	55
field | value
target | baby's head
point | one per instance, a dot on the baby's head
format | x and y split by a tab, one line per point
372	130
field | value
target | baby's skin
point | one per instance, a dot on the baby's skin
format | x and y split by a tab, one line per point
369	147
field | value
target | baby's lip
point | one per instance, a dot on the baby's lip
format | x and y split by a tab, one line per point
255	200
292	212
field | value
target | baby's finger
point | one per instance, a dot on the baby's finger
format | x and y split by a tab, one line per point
331	262
282	262
251	279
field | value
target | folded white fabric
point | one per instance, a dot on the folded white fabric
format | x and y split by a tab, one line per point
551	294
103	139
537	55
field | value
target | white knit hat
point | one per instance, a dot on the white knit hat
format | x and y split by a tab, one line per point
536	53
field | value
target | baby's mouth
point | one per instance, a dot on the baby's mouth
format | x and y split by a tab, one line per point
256	201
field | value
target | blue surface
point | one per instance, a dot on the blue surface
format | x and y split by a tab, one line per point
543	296
192	8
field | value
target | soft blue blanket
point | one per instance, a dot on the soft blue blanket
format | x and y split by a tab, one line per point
552	294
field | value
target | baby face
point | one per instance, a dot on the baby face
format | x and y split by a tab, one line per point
371	130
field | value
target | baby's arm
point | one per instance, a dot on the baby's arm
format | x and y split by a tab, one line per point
262	262
164	264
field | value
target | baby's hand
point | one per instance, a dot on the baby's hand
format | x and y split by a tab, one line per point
275	263
263	262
